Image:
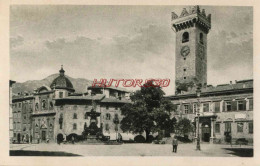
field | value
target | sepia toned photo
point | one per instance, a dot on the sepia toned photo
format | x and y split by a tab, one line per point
102	80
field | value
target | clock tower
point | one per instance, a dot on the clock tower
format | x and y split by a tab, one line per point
191	27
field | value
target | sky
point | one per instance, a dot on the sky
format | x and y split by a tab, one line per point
122	42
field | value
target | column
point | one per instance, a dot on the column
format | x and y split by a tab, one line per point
212	137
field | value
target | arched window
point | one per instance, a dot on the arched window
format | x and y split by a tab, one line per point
44	104
201	38
36	106
61	120
107	116
74	126
185	37
107	127
74	116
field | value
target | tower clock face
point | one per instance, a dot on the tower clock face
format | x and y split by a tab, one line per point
185	50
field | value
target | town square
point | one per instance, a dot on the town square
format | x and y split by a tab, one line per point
202	106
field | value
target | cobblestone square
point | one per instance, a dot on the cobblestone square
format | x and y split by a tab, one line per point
130	150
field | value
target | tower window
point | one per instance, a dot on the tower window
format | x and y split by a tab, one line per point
184	78
201	38
74	126
185	37
184	58
75	116
184	69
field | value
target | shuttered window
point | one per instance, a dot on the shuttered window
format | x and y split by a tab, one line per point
205	107
228	127
241	105
190	108
217	106
250	127
194	107
228	106
234	105
251	104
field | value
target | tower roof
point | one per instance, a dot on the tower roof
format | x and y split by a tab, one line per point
189	18
62	82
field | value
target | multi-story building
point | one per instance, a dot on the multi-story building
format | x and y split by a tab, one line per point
11	133
58	112
225	112
22	111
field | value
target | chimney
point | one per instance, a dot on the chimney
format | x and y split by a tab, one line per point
235	81
230	82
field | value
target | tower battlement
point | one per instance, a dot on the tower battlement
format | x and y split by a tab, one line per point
194	16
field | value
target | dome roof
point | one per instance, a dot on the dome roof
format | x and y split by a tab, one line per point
62	82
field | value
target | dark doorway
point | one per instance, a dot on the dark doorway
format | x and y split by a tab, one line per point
59	138
18	137
205	132
43	135
206	137
27	138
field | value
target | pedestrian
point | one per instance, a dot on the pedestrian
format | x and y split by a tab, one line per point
174	144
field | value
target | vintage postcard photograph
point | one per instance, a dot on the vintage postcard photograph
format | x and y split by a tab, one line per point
131	81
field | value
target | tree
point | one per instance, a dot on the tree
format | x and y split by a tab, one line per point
184	126
148	112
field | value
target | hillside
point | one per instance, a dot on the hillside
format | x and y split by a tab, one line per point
79	84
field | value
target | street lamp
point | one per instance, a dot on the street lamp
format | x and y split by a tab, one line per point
198	115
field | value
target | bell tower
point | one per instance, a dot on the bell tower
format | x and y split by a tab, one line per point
191	28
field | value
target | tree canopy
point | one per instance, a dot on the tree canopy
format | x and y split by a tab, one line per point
149	111
184	126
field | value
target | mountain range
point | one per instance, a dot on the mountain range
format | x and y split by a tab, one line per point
79	84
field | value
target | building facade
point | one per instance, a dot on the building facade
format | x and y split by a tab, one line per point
224	112
22	118
11	128
56	111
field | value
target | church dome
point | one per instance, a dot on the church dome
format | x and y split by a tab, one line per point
62	82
